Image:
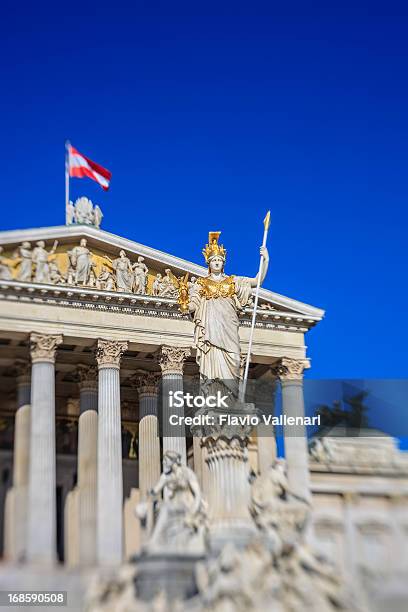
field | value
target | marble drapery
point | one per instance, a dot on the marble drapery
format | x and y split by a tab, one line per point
217	325
123	270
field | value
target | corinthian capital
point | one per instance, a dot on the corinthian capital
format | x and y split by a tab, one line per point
109	353
43	347
290	369
87	377
171	359
146	383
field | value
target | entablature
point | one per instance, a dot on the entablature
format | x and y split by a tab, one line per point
134	304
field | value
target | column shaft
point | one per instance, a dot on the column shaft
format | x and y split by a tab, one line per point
110	476
171	361
15	519
42	495
87	469
173	382
296	449
149	443
110	480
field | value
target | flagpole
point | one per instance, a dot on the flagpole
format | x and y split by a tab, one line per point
67	143
258	286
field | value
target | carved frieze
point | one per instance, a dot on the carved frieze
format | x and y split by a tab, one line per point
5	266
78	266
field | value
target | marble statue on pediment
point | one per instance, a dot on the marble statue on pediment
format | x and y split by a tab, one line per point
98	215
123	272
70	213
40	258
56	278
81	264
24	258
181	523
5	265
167	287
83	212
157	284
105	280
191	285
92	282
70	271
140	271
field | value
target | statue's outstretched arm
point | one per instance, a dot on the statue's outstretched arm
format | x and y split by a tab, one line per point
54	247
254	281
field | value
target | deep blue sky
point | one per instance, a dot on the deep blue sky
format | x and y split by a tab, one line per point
207	116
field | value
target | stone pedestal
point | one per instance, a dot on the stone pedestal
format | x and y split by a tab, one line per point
110	477
171	361
290	373
15	518
173	575
41	545
228	486
87	462
146	384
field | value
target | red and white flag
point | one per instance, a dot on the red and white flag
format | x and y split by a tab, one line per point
80	166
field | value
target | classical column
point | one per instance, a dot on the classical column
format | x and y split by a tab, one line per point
87	462
290	373
171	361
146	384
41	544
15	520
110	477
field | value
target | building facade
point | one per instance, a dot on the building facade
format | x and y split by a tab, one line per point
90	326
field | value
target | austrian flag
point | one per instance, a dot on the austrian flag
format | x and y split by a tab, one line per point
80	166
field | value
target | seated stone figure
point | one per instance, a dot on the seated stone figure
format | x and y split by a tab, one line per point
180	526
303	580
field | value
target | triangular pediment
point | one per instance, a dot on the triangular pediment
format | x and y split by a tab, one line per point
102	243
